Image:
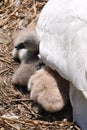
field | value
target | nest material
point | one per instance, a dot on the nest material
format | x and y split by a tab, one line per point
17	111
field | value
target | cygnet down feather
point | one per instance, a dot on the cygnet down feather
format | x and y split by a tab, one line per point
29	56
25	42
23	73
49	89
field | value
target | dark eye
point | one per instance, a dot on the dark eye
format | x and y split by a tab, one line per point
26	42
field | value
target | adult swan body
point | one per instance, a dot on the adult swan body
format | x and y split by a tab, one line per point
62	28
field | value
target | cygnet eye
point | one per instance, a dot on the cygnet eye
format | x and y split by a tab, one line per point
26	43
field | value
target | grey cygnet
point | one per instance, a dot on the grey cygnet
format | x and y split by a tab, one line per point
49	89
26	49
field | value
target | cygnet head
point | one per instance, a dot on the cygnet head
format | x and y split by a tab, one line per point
26	45
27	40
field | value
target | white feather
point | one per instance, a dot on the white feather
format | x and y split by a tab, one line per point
63	43
62	27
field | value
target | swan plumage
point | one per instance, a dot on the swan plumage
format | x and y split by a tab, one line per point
62	28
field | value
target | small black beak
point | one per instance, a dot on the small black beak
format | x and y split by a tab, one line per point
20	46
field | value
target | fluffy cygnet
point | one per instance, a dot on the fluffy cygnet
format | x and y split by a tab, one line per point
49	89
29	56
23	73
25	42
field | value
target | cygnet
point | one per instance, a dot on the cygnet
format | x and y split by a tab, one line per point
29	56
49	89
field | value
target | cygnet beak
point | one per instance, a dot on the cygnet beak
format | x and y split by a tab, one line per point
20	46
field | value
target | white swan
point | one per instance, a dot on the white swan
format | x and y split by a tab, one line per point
62	28
49	89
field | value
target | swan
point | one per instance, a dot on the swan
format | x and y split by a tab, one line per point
49	89
62	29
25	39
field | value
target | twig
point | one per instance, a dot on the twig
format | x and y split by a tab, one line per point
11	26
5	60
33	122
6	20
33	23
11	15
1	72
6	8
29	109
20	100
10	125
17	121
34	7
2	60
76	127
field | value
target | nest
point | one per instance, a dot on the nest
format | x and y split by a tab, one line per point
17	111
